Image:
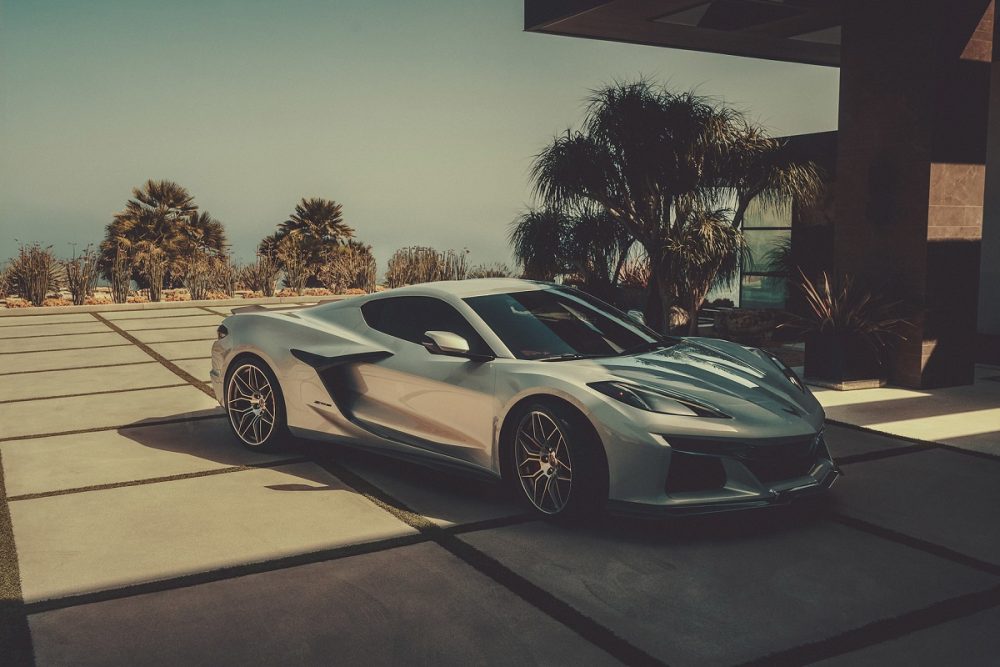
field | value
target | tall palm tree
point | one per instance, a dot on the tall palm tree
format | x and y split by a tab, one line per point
160	222
318	224
646	155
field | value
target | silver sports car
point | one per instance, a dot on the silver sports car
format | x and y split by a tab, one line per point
572	402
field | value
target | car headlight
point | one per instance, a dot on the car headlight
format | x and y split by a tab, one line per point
785	370
653	400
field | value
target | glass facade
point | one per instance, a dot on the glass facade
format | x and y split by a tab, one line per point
764	281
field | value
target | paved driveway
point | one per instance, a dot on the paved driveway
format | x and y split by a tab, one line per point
133	530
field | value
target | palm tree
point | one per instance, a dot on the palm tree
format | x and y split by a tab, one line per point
159	228
319	223
708	249
588	243
651	158
538	238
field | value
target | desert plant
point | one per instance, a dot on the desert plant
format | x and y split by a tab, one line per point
152	263
419	264
261	276
198	275
349	267
81	275
495	270
293	257
225	274
120	274
4	281
35	272
538	239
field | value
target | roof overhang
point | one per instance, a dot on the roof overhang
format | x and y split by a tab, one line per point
800	31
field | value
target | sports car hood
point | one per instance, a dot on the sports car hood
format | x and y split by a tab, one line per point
739	382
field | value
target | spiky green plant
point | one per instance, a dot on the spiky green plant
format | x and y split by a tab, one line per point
846	309
261	276
81	275
153	262
351	266
35	272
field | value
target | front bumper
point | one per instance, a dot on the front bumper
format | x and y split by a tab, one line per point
816	483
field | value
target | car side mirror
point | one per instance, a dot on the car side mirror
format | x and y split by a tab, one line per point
637	316
446	342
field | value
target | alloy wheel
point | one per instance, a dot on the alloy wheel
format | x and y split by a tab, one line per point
250	403
543	462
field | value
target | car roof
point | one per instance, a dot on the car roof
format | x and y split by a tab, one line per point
467	288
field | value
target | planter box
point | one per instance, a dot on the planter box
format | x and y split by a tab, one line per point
843	362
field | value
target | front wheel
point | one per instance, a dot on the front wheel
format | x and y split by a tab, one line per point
557	463
255	406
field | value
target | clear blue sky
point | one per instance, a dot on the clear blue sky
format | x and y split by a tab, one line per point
420	117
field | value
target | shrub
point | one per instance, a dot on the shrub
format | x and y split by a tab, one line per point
198	277
81	275
120	274
496	270
418	264
4	282
153	264
349	267
261	276
35	272
293	256
226	275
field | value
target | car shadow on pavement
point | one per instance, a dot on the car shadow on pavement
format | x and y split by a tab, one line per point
450	493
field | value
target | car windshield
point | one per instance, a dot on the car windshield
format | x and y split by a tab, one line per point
559	323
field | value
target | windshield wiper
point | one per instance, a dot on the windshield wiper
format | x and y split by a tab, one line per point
646	347
569	356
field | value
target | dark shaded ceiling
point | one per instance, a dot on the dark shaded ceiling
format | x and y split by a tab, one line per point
806	31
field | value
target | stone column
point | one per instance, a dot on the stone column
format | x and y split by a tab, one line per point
911	155
989	271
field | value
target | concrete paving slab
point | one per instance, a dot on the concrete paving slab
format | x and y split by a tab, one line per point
34	320
66	342
28	330
87	380
56	415
189	350
182	334
415	605
971	642
446	499
726	589
110	457
199	368
98	540
66	359
944	497
844	441
149	313
202	320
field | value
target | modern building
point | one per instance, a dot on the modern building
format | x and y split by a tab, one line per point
917	166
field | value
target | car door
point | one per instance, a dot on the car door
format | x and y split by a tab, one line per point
442	404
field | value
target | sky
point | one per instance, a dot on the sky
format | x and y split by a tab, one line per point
421	118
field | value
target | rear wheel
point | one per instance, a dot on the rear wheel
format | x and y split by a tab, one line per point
255	406
556	462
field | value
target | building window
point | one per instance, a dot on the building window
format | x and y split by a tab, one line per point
764	282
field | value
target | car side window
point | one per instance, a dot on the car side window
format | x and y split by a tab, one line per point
408	317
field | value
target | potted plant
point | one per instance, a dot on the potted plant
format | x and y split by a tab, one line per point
848	333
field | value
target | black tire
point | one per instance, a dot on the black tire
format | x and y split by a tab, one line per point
247	402
586	493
